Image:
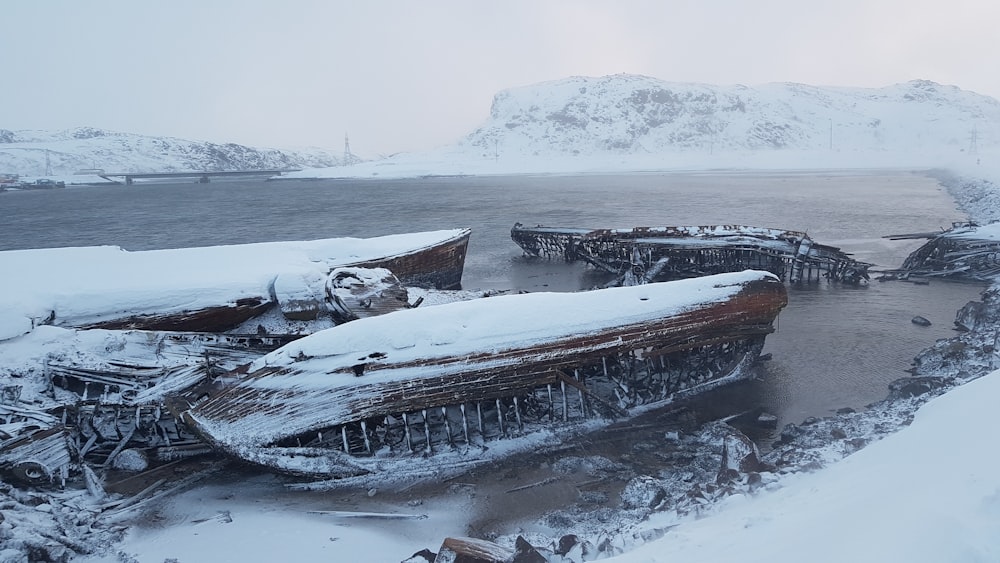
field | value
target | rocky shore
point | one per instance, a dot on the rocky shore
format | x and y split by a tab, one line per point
705	466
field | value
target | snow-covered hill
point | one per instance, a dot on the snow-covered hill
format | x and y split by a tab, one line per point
629	114
38	153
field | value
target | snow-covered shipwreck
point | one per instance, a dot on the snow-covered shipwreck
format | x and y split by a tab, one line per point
210	289
644	254
966	251
354	398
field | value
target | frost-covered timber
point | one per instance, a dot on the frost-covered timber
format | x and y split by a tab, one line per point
208	289
644	254
455	376
966	251
99	401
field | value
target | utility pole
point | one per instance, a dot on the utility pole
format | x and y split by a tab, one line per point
48	164
831	133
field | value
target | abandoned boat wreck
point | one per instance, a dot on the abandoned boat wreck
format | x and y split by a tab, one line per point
207	289
645	254
104	405
966	251
449	379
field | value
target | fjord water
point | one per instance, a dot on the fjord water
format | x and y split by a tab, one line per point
836	346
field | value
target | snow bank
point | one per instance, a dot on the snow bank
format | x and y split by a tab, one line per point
929	493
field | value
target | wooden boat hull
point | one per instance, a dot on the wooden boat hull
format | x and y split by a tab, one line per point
208	289
365	395
439	266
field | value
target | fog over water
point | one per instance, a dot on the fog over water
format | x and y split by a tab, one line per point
836	346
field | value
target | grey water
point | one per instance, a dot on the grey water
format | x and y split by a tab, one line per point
836	346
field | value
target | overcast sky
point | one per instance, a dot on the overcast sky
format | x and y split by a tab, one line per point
410	75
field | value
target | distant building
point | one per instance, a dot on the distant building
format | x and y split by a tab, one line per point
9	181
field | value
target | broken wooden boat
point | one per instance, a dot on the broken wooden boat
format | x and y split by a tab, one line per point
208	289
966	251
454	377
104	407
645	254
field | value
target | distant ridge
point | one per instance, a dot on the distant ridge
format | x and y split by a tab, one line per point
640	117
60	153
636	115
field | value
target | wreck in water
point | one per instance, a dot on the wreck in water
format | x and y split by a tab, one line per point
966	251
645	254
452	378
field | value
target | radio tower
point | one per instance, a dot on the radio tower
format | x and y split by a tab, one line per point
973	148
348	157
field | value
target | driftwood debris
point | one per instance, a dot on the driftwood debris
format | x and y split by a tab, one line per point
369	515
646	254
472	550
541	483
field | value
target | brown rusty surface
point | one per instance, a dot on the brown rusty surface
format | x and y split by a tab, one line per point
209	319
437	267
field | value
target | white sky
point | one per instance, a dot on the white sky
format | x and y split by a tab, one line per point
411	75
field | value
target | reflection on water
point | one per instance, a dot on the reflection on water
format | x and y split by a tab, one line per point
836	346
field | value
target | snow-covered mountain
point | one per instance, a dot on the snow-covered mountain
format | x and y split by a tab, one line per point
630	114
37	153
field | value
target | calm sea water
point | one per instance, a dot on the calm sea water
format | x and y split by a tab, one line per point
835	346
